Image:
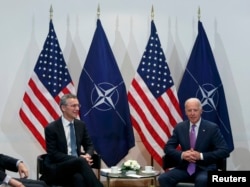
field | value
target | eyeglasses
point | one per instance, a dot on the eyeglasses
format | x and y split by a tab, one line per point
74	105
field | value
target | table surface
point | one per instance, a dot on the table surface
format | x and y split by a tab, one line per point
139	174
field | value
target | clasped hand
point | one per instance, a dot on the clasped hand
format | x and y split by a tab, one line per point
88	158
191	155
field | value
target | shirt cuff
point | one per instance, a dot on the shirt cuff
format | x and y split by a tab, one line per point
7	179
18	162
201	155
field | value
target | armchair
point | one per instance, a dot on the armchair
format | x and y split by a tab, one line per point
168	162
40	166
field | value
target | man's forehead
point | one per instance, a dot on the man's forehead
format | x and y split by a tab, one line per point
72	100
192	106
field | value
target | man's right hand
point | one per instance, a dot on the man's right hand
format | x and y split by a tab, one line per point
88	158
191	155
15	183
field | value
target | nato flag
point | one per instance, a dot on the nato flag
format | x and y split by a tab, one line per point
201	79
103	96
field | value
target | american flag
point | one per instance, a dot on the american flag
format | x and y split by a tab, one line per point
49	81
152	97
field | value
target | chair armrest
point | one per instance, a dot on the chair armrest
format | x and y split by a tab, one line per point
96	161
222	164
168	162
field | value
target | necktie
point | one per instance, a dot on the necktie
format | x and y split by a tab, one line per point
192	137
72	140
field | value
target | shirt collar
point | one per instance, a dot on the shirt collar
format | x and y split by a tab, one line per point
196	124
65	122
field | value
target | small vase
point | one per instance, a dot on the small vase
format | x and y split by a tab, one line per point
131	172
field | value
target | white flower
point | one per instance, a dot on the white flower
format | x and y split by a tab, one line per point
131	165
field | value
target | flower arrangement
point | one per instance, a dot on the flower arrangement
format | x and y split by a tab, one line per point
130	165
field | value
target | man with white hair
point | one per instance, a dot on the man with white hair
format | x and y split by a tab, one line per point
201	143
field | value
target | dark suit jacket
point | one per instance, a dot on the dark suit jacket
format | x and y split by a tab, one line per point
56	143
7	163
209	141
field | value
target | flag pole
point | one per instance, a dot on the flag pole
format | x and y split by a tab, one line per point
98	11
199	13
152	13
151	158
51	12
152	18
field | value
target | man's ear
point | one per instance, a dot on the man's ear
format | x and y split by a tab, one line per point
63	108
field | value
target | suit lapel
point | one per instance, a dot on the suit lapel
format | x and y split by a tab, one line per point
200	135
62	135
186	134
77	130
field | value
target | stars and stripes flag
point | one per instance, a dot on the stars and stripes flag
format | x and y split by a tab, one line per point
152	96
49	81
201	79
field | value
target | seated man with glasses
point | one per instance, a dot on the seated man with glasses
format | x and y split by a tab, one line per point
65	165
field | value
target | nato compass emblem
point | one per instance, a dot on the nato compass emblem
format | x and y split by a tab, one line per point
209	97
104	97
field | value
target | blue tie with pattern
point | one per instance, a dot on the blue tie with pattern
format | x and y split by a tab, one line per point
73	140
192	136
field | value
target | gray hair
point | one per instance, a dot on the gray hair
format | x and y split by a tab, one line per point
194	99
65	97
